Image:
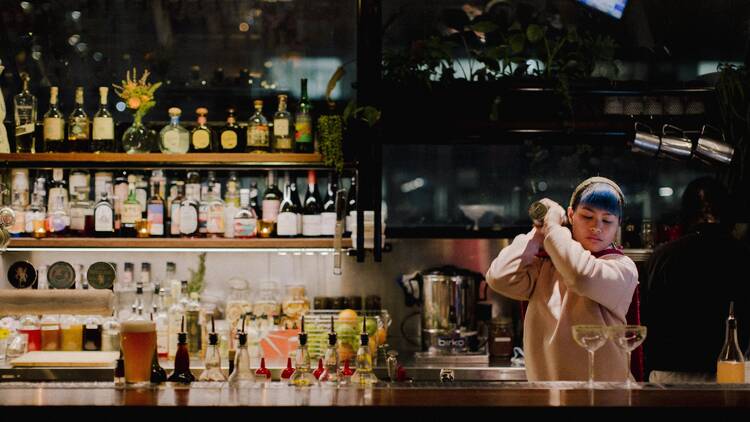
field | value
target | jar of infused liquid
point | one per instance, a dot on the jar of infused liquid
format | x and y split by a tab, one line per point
50	326
29	325
71	333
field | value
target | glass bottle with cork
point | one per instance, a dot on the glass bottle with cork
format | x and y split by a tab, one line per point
24	107
173	138
103	131
257	130
283	140
78	126
201	138
54	125
231	138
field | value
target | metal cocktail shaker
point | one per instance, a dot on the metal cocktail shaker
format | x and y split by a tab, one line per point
537	211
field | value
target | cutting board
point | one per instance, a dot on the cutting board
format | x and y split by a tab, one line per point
67	359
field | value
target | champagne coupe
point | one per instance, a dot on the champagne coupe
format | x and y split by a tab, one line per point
591	338
627	338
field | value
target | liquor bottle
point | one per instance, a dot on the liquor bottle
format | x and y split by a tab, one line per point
257	130
57	190
36	216
25	116
288	215
245	222
203	212
730	367
176	317
213	182
283	140
161	317
351	207
231	138
174	207
120	195
155	211
104	216
82	214
19	225
212	361
215	217
78	178
54	125
232	195
294	194
181	373
173	138
131	210
157	176
58	219
188	214
78	126
364	374
241	373
303	137
103	131
328	216
192	324
331	357
141	193
271	204
311	219
254	202
201	138
302	376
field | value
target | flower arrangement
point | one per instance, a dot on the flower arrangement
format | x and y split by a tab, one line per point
137	93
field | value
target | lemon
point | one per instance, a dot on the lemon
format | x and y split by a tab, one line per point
348	316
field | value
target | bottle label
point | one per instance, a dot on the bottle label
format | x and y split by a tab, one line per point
131	213
203	219
258	136
174	226
229	212
156	219
271	209
24	129
79	128
201	139
281	127
188	219
54	129
104	129
311	225
78	180
287	224
171	141
328	223
77	219
229	139
142	197
215	222
303	127
245	227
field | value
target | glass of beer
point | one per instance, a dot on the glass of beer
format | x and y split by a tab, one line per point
138	342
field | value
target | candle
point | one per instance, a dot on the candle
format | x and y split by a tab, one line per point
142	228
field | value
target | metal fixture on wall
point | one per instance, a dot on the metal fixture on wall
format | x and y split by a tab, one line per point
710	148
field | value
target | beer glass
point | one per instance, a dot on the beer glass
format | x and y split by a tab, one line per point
138	342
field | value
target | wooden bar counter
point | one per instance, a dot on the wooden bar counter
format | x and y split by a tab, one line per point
426	398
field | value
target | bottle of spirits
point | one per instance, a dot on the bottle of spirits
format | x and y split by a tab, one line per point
157	176
257	130
19	226
203	212
331	357
78	126
155	211
201	138
364	374
189	212
271	204
232	195
161	318
176	317
174	207
288	215
245	221
36	216
311	219
193	324
82	214
351	207
54	125
212	361
24	105
303	138
231	138
283	139
57	190
215	217
730	367
294	194
173	138
241	373
104	216
103	131
58	219
302	376
328	216
131	210
254	201
120	195
181	373
141	193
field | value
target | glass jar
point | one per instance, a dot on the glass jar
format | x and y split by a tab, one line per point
238	303
71	333
92	333
267	302
50	326
501	338
111	335
29	325
296	302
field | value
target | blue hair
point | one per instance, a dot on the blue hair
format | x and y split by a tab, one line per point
601	196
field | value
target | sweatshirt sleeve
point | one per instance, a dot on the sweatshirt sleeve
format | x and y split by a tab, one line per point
609	280
515	270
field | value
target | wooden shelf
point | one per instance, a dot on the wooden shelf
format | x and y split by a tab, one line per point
173	243
190	160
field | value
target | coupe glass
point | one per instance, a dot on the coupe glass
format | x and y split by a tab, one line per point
627	338
591	338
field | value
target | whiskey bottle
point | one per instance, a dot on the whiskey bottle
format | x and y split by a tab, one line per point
103	131
257	130
78	126
54	125
283	140
24	105
201	138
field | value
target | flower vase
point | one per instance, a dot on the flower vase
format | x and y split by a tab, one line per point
137	138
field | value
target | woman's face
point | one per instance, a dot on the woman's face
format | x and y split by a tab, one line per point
593	228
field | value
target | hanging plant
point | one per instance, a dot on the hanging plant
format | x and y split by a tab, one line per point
198	277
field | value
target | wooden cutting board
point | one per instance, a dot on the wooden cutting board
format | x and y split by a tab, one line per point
67	359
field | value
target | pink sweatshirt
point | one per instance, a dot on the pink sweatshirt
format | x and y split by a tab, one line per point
570	287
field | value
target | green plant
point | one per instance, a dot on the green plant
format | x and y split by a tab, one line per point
331	137
198	277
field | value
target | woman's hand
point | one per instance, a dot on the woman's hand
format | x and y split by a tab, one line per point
555	216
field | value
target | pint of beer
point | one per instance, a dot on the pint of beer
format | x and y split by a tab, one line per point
138	343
